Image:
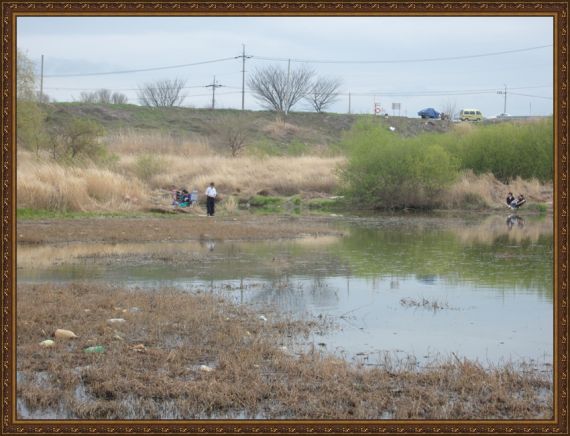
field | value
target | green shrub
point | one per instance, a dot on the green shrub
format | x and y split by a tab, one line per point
147	166
388	171
508	150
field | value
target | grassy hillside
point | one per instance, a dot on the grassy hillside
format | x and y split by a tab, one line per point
298	158
266	132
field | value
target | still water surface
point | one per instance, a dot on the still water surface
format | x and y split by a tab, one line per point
479	288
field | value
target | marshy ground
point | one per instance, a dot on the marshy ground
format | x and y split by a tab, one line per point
186	355
193	354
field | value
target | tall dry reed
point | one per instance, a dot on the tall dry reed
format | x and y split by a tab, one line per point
486	191
246	175
51	186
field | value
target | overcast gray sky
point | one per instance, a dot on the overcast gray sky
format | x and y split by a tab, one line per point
416	61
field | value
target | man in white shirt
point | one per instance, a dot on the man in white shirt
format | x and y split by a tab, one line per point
211	199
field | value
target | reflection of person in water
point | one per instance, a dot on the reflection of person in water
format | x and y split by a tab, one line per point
513	220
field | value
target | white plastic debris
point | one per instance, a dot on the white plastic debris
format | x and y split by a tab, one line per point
392	129
116	321
206	368
47	343
64	334
262	317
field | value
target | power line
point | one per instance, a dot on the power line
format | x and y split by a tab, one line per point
142	69
375	92
396	61
532	96
299	61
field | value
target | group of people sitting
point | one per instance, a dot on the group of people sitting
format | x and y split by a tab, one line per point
515	203
182	198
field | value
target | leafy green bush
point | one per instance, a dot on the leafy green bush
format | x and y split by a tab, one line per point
508	150
388	171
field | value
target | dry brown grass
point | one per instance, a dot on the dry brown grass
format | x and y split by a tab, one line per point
52	186
133	143
486	190
246	175
252	376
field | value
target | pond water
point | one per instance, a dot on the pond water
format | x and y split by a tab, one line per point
480	288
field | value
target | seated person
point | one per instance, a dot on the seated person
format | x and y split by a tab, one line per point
515	204
510	198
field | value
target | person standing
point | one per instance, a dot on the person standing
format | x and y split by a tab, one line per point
211	199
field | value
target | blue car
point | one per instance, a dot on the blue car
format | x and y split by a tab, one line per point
429	113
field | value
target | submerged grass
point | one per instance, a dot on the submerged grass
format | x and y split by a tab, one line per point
181	355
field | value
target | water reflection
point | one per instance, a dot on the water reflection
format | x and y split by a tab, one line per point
493	282
515	220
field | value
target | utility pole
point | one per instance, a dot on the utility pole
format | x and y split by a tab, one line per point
243	58
214	85
505	94
349	102
42	80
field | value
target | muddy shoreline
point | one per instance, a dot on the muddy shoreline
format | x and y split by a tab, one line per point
183	228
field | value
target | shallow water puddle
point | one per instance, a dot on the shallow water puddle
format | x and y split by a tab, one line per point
477	288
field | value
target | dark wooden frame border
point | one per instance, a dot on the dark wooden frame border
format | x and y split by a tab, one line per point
558	10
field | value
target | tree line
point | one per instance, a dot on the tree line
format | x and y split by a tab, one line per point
276	88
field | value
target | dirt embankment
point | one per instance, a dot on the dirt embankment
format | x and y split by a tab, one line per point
181	228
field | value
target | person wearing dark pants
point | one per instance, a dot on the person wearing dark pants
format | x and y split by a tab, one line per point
211	199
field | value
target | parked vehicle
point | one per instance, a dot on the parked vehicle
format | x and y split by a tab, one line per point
503	115
470	115
429	113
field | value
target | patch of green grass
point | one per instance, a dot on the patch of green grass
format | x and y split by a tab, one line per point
266	202
324	204
37	214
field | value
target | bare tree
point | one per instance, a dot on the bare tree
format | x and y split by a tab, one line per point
25	77
280	89
234	133
103	96
323	93
162	93
87	97
119	98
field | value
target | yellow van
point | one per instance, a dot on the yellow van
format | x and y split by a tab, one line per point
470	115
